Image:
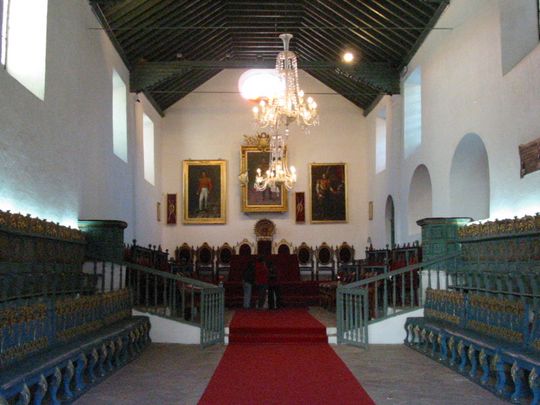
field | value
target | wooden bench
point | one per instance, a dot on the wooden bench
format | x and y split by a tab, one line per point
55	349
484	338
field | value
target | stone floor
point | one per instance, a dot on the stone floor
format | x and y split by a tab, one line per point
179	374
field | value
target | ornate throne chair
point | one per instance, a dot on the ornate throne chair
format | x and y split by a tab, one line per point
304	253
205	262
264	231
325	261
223	260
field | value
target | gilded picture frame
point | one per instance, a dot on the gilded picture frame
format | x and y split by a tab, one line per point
204	189
253	157
328	190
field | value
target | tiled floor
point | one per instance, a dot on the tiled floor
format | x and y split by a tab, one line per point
395	374
391	374
178	374
164	374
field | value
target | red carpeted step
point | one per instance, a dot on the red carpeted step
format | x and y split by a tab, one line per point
282	326
301	371
288	338
262	330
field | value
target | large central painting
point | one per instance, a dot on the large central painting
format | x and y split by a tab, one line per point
272	199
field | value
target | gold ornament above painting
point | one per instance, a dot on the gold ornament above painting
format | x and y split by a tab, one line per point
255	153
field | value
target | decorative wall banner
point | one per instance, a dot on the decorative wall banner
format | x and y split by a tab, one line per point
328	191
171	209
256	154
529	155
300	207
205	191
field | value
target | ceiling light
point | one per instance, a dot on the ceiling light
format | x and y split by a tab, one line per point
348	57
259	84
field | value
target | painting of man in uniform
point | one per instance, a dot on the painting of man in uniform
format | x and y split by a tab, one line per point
204	191
328	192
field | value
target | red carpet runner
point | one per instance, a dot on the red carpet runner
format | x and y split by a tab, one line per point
303	371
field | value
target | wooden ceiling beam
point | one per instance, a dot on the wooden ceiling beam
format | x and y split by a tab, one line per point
379	76
146	31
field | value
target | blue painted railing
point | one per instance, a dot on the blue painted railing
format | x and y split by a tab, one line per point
167	295
385	295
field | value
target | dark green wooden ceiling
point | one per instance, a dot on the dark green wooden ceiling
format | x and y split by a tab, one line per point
171	47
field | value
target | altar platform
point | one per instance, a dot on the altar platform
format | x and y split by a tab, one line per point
294	291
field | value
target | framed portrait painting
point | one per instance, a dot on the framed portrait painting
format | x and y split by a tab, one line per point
328	192
269	200
205	191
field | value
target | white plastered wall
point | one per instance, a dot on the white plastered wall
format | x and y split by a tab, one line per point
210	124
463	91
56	155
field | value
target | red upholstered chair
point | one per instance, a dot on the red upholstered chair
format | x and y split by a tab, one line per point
245	248
283	247
264	248
284	250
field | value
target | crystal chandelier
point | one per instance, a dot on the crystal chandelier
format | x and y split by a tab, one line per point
289	105
278	171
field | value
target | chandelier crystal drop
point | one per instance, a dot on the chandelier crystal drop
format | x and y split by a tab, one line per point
278	172
290	104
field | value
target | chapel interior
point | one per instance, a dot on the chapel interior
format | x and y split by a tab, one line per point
269	202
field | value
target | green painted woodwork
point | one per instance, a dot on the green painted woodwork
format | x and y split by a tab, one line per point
439	235
352	316
378	75
105	238
178	298
376	298
500	258
25	241
154	31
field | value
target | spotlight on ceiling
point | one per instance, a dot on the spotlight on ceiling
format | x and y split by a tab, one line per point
348	57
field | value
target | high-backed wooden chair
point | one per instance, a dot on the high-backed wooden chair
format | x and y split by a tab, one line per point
325	261
264	231
283	247
264	247
184	258
245	248
345	261
223	260
305	260
205	262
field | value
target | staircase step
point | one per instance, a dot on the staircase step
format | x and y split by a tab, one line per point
278	330
278	338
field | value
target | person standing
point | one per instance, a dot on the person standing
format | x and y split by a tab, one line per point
274	292
248	279
261	279
205	187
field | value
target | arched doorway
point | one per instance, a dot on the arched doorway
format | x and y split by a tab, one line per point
389	220
420	198
469	179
